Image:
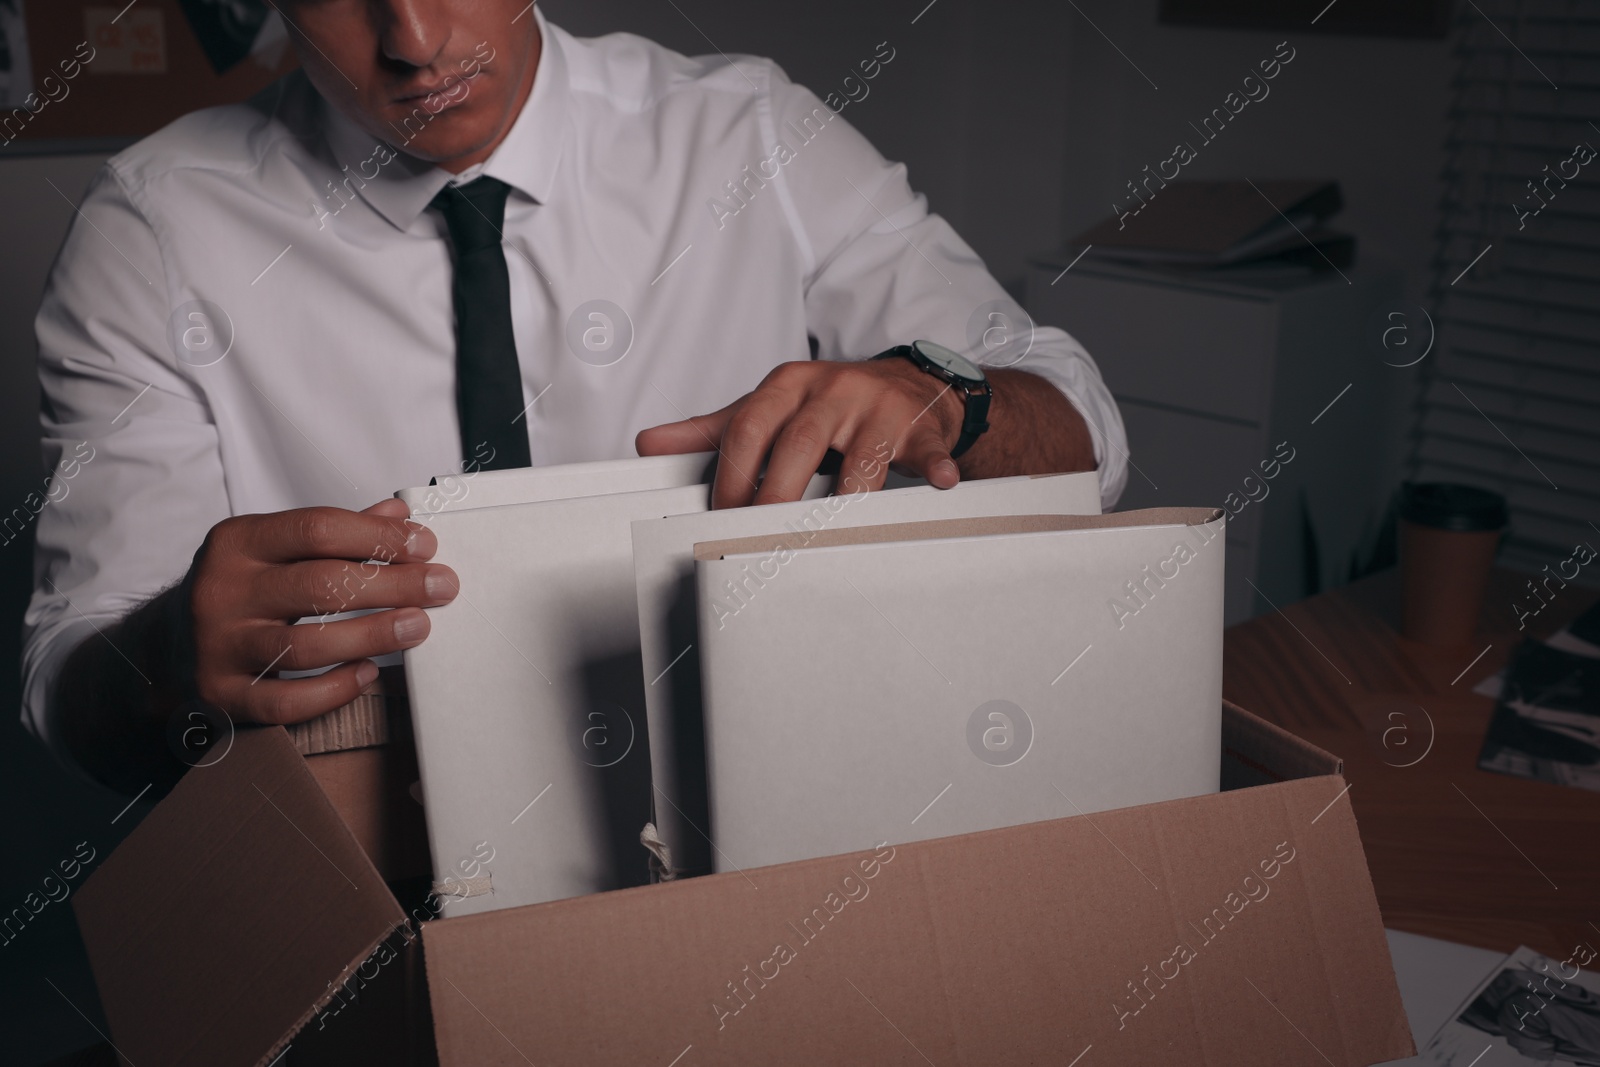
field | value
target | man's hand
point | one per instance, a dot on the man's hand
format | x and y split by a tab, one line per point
257	574
867	412
232	620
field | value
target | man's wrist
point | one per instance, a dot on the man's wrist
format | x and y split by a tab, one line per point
943	403
1035	429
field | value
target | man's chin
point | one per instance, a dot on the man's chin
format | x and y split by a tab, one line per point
445	144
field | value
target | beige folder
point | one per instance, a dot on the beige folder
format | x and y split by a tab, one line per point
903	682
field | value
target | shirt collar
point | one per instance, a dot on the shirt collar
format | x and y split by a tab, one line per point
526	160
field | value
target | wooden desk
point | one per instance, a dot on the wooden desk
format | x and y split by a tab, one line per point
1455	853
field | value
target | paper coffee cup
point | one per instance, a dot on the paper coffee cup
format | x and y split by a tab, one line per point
1448	537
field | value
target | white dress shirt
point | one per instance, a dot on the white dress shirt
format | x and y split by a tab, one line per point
254	311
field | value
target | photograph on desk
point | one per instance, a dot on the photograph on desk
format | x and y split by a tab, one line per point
1581	637
1529	1009
1546	724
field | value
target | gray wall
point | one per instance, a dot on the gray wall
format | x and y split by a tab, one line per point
1019	120
1367	111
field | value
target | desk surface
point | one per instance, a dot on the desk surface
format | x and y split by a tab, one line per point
1455	852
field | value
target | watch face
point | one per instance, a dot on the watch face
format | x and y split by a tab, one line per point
953	363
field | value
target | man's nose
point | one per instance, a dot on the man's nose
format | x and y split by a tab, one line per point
413	32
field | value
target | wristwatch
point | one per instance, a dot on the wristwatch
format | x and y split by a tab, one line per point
962	374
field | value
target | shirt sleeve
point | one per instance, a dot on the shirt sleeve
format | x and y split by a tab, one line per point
884	270
132	478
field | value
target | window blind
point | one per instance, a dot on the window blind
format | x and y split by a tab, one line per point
1512	400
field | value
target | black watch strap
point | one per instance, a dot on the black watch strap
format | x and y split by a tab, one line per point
976	420
976	423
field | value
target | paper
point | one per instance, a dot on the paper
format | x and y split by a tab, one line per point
1581	637
1546	725
1529	1009
128	41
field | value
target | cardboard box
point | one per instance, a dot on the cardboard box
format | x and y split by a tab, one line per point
923	679
235	911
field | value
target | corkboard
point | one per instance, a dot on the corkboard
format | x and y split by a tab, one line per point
107	102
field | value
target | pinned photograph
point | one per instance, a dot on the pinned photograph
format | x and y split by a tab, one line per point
16	70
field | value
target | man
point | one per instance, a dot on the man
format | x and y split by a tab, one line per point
462	238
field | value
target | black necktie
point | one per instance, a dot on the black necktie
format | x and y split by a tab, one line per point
488	380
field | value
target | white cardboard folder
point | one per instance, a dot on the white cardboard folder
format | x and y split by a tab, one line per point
525	694
526	698
663	559
897	683
525	485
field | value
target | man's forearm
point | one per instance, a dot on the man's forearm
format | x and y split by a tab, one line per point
1033	429
116	694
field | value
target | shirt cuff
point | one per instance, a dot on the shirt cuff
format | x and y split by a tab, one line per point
1106	433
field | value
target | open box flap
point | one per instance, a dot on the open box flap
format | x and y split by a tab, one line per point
1255	752
1028	944
231	913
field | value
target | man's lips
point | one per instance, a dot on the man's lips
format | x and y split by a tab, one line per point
452	85
432	103
413	95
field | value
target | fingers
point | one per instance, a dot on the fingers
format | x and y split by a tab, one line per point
330	533
924	453
392	508
284	701
866	462
311	645
800	411
800	448
257	570
752	429
323	587
703	433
